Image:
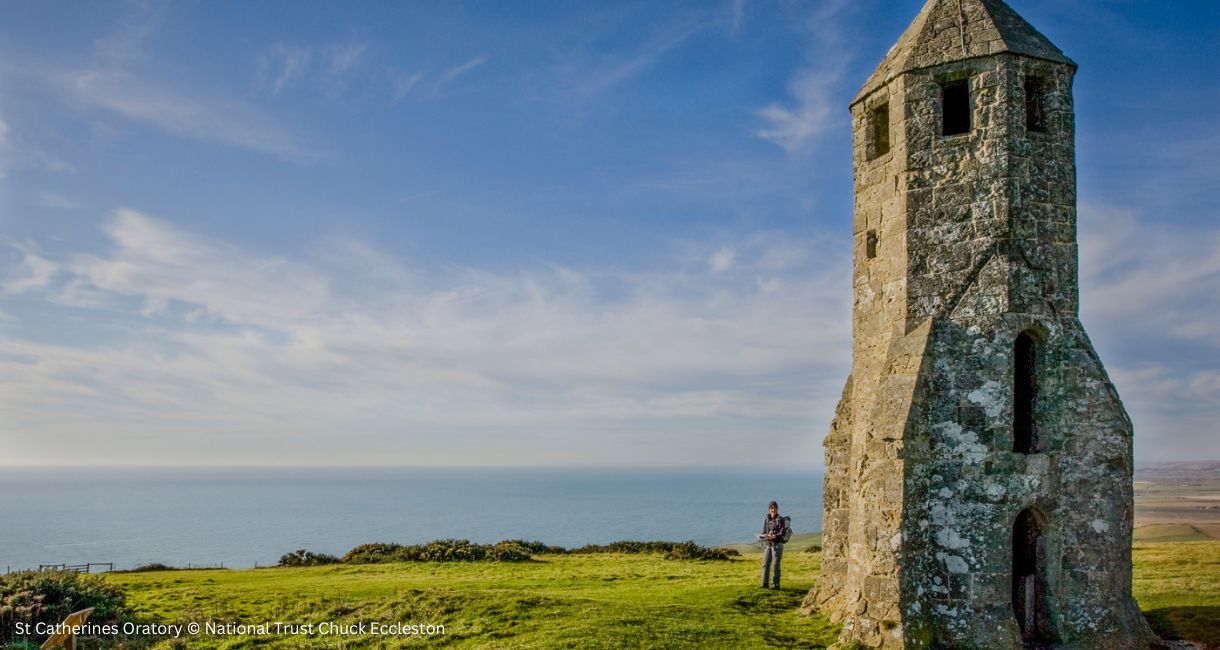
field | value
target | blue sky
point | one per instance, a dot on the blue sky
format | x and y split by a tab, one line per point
524	233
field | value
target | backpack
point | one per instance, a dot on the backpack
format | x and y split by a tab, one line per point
787	530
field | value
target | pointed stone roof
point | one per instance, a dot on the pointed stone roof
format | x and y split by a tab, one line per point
954	30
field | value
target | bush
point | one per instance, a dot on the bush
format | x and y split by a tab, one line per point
537	548
516	550
508	552
49	596
441	550
374	554
302	557
151	566
672	550
816	548
693	551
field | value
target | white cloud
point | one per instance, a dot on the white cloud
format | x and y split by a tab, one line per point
328	66
815	103
737	11
813	112
209	119
342	58
1150	299
722	260
110	82
451	74
587	74
55	201
15	156
277	356
159	263
281	65
1137	279
32	272
403	82
124	42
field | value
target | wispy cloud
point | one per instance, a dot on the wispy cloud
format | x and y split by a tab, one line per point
536	366
329	66
31	272
124	42
1149	298
282	65
722	260
449	75
15	155
587	75
402	83
210	119
45	199
1139	279
737	13
120	80
813	108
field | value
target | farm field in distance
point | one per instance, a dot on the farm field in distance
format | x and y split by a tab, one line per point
1177	501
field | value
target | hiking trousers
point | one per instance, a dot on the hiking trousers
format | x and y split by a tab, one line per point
772	552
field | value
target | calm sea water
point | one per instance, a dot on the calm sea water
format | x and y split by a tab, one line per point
240	517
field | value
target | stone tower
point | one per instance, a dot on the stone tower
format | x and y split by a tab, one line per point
978	487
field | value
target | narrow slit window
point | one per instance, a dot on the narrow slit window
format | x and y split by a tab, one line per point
880	123
1029	597
1025	394
955	107
870	244
1035	104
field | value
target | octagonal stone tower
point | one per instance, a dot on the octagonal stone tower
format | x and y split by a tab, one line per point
978	489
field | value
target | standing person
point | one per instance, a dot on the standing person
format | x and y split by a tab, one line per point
775	529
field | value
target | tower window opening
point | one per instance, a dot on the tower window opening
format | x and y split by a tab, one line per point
879	131
1029	598
1035	104
1025	394
870	244
955	107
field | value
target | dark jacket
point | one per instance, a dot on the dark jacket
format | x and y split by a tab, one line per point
774	528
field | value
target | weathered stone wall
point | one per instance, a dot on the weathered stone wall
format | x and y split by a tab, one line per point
962	243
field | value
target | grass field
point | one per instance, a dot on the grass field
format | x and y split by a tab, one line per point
598	600
589	601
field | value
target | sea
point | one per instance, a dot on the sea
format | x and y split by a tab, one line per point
245	517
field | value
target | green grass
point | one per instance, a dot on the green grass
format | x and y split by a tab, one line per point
1177	585
585	601
591	601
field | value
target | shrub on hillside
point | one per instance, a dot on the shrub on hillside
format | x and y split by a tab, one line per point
508	552
441	550
151	566
537	548
49	596
693	551
374	554
302	557
671	550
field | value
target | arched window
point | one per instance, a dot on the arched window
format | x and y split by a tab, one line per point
1029	578
1025	394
